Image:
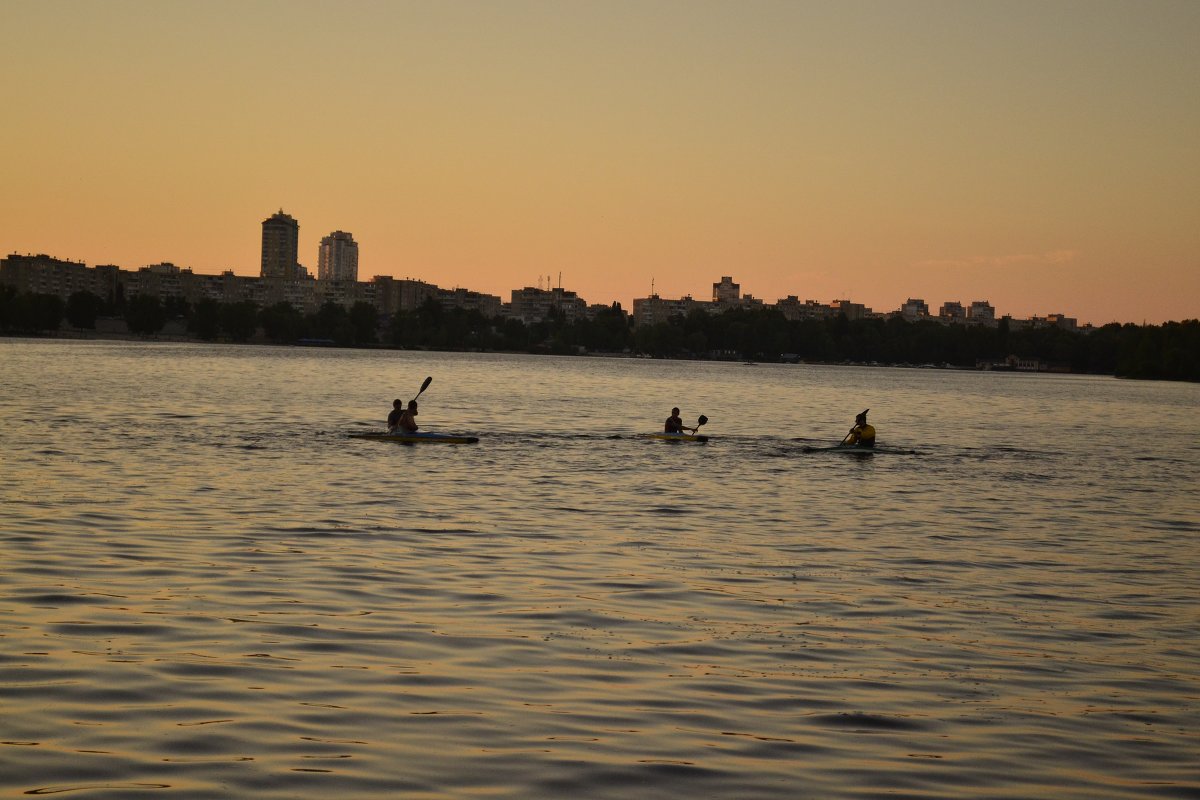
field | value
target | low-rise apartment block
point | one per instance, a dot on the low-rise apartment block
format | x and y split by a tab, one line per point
47	275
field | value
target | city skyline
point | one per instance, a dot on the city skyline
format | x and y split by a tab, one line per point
43	273
1037	156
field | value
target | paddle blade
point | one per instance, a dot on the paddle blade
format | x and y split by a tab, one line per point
424	386
702	421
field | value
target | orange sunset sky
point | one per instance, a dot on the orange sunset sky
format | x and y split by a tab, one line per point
1041	155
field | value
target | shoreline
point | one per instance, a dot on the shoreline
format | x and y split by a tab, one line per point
76	335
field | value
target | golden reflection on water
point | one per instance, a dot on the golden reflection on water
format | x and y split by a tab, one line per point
212	590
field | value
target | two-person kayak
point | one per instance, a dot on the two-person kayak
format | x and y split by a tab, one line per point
402	426
416	437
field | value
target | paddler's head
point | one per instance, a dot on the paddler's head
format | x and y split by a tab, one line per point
674	412
412	406
397	403
861	419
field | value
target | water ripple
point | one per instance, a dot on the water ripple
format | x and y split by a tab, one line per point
247	610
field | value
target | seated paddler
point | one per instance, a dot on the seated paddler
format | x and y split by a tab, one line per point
863	433
403	420
674	423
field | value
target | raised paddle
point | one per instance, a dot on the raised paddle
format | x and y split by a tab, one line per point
424	386
703	420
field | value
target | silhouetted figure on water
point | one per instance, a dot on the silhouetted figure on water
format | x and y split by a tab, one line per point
403	420
862	434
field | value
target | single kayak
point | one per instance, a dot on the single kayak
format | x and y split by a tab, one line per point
417	438
855	450
675	437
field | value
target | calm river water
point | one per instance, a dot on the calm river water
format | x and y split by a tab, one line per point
209	590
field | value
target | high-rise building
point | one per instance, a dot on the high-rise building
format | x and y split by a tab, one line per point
726	291
280	246
338	258
952	311
981	311
914	309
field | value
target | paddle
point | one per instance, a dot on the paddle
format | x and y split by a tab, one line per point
702	421
424	386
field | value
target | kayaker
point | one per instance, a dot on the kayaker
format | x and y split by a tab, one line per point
394	414
863	433
408	420
402	420
674	424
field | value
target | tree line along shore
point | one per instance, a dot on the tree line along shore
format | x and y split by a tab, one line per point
1170	351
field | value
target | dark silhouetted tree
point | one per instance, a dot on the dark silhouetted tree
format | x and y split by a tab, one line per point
365	321
145	315
239	321
332	321
204	320
83	308
282	323
43	312
8	308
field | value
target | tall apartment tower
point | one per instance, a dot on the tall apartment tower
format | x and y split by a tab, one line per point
338	258
727	291
280	246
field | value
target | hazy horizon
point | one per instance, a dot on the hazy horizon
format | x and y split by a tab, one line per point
1041	157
